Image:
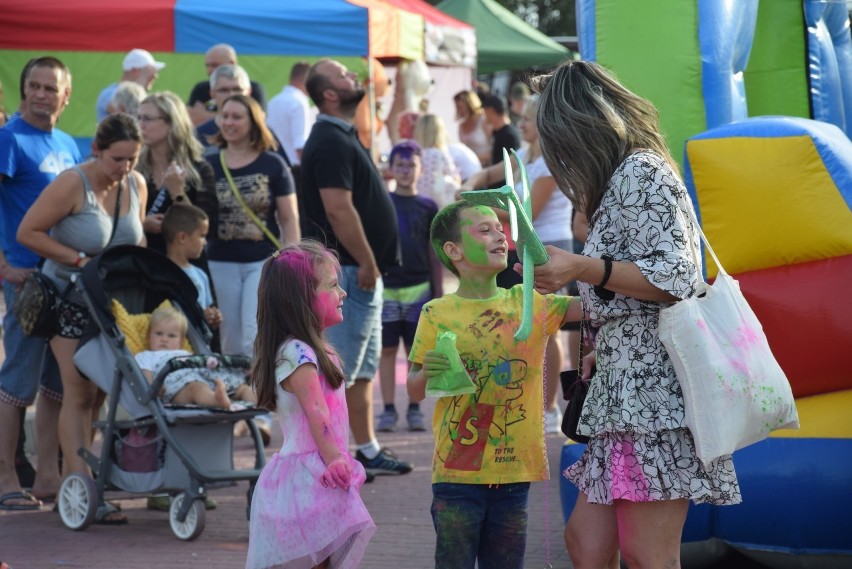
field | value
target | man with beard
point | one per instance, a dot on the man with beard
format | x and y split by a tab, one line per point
345	205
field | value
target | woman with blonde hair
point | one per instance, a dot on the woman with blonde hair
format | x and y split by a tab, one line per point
474	131
439	177
172	163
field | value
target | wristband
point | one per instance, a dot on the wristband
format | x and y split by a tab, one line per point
79	259
607	271
180	198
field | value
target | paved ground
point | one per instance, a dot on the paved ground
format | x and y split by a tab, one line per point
399	505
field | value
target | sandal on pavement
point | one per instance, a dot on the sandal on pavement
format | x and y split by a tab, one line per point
32	504
108	515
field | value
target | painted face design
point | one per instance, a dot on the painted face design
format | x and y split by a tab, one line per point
165	335
328	304
483	242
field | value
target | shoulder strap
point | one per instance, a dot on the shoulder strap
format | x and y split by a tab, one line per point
242	202
115	215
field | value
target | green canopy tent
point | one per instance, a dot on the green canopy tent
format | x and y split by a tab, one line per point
504	41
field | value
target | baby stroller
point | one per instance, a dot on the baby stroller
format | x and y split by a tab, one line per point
158	448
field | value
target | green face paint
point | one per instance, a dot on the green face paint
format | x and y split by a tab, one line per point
474	250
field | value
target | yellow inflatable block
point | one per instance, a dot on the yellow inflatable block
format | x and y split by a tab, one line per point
767	202
825	416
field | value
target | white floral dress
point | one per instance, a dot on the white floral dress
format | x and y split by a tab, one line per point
640	449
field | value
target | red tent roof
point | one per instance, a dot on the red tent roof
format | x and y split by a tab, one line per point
430	13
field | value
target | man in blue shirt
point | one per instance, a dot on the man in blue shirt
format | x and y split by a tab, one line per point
32	154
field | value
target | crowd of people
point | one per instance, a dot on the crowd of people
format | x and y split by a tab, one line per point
313	263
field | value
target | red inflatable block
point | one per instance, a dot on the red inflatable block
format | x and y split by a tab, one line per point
806	313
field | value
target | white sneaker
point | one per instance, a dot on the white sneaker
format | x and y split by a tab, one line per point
553	421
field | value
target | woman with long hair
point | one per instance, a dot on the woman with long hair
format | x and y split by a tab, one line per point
474	131
439	178
86	209
256	209
172	163
603	146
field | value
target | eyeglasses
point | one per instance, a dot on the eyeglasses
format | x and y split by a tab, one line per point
229	90
149	118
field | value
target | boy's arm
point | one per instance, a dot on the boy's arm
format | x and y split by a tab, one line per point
416	383
575	310
434	364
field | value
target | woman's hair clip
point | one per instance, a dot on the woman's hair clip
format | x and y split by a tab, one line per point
276	253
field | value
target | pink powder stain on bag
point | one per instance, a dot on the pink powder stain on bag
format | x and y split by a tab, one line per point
746	337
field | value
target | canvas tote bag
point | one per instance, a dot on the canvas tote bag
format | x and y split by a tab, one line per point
734	391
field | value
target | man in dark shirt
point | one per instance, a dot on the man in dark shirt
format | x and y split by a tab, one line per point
505	135
345	205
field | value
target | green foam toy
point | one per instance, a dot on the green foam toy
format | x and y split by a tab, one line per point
454	381
529	246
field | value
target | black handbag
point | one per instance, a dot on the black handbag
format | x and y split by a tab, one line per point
36	305
574	391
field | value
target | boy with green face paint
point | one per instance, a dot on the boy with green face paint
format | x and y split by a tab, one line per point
489	445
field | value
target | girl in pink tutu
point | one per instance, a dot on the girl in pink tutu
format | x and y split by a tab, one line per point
307	510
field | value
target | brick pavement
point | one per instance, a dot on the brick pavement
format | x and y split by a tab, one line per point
398	504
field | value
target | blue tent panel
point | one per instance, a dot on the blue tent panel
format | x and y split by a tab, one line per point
272	27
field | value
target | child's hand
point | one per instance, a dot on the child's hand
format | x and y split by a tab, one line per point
435	363
213	316
337	473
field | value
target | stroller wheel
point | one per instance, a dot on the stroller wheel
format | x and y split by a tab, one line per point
77	501
193	525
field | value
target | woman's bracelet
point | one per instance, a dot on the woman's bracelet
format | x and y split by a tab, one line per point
607	270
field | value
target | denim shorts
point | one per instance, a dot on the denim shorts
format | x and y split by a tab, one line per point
29	365
358	338
480	522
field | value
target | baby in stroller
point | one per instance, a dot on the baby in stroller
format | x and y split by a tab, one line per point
212	386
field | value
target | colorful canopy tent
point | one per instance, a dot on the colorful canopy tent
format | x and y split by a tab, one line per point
447	41
504	41
92	37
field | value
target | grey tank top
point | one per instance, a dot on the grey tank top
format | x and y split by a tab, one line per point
89	229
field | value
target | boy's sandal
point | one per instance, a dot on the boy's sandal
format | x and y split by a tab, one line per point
108	515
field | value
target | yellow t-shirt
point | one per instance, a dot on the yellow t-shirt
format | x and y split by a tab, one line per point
495	435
